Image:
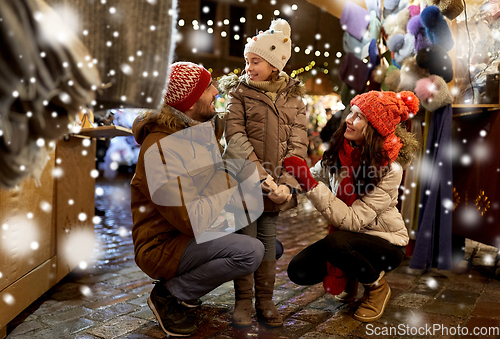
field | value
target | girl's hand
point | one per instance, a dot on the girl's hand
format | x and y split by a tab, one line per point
269	185
281	194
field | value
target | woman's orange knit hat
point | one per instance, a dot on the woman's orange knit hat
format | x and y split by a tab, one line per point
385	110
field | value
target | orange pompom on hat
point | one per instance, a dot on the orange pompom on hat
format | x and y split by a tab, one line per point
384	111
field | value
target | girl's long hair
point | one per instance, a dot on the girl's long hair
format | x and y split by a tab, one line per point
373	158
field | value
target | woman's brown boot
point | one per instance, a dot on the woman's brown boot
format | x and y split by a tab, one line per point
243	288
373	306
264	288
350	291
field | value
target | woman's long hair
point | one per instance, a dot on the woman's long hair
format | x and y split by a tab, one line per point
373	158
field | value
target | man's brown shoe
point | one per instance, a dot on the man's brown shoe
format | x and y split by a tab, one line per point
169	312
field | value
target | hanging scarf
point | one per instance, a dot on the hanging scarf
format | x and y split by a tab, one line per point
335	280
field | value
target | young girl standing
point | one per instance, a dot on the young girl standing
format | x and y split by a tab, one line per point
357	192
265	105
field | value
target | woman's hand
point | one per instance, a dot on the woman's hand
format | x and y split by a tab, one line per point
299	169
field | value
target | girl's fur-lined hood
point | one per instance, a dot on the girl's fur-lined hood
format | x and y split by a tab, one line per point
229	82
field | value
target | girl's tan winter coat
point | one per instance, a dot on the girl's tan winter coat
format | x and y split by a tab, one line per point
276	129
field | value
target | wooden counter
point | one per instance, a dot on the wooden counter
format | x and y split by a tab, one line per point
47	231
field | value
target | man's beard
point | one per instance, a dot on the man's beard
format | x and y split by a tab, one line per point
202	111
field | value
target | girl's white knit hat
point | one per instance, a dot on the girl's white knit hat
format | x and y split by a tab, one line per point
273	45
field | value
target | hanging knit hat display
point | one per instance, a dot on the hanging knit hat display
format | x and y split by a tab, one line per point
435	59
414	10
450	8
273	45
394	6
353	45
353	72
433	93
374	5
436	28
410	74
416	28
402	46
375	25
354	19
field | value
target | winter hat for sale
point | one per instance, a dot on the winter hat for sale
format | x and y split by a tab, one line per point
273	45
403	46
186	84
394	6
416	28
410	74
391	4
373	54
354	19
414	10
379	73
450	8
433	93
436	28
374	5
353	45
436	60
353	72
385	110
392	79
396	23
375	25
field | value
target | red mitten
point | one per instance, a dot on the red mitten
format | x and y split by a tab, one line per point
299	169
333	284
335	280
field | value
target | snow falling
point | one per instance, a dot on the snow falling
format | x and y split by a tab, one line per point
21	233
20	236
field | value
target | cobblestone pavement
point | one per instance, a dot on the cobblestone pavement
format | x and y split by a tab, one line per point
108	299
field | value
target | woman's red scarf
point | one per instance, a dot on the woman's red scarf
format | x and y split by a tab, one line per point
335	280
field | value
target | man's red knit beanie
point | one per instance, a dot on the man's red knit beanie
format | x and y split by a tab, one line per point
385	110
186	84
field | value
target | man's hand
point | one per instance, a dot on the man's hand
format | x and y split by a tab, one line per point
236	153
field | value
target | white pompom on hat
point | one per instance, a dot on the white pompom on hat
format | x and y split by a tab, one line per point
273	45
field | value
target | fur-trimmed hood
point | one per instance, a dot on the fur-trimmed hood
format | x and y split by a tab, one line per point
411	146
229	82
167	120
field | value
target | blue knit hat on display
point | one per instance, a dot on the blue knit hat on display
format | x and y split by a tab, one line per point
436	28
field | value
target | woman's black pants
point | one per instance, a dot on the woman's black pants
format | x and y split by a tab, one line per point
359	255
